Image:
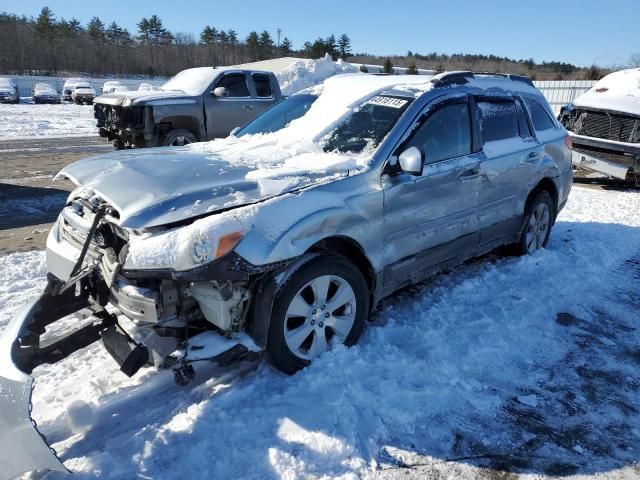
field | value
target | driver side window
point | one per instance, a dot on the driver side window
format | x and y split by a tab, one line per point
445	134
236	85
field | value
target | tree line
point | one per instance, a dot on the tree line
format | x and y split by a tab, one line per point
47	45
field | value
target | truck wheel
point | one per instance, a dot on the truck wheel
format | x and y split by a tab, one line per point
178	138
325	300
538	220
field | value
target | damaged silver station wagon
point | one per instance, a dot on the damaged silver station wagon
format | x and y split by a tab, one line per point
282	237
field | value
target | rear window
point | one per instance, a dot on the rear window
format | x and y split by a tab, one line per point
539	116
263	86
498	120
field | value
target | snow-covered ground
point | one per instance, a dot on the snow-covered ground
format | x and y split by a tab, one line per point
28	120
473	369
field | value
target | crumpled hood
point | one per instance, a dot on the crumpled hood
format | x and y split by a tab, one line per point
159	97
159	186
616	103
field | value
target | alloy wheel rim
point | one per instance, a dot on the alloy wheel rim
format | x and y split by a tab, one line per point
321	311
537	228
180	141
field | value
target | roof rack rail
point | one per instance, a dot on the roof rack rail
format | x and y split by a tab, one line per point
452	78
462	77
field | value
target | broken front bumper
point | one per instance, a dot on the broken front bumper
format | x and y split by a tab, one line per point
22	447
616	159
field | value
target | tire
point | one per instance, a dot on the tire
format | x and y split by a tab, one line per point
302	317
539	217
178	138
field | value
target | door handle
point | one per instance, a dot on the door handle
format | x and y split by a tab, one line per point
470	173
248	107
531	157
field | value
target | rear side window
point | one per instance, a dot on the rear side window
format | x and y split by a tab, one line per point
445	134
263	86
498	120
539	115
236	85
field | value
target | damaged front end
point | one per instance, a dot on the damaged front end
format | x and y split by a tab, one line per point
604	141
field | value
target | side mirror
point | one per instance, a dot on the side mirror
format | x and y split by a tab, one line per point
220	92
234	131
412	161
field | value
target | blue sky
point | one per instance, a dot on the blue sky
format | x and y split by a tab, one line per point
576	31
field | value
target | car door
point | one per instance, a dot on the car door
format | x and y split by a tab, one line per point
223	114
431	218
509	156
262	92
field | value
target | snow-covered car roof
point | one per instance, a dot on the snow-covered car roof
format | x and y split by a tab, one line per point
83	85
618	91
7	81
43	86
73	81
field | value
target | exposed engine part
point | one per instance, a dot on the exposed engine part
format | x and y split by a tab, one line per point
222	305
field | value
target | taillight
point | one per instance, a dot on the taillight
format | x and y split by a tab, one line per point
568	142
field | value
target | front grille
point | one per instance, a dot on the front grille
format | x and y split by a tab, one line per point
608	126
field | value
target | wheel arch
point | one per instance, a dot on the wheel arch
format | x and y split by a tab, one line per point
183	122
545	185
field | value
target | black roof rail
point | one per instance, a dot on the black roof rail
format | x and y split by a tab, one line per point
451	78
462	77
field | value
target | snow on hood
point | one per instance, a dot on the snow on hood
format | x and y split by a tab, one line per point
618	91
160	186
154	187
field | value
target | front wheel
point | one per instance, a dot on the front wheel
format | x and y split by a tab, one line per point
326	300
178	138
538	220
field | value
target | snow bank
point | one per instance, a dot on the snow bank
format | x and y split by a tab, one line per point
306	73
27	120
469	367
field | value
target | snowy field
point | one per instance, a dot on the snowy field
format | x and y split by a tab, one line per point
473	369
28	120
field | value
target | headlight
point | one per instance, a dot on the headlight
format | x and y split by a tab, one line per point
186	247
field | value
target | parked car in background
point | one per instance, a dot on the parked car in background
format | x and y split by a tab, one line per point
69	86
113	86
197	104
605	126
44	93
83	93
8	91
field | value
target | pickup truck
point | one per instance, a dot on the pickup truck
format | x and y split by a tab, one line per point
198	104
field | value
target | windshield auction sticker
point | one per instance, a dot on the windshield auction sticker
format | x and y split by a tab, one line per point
387	102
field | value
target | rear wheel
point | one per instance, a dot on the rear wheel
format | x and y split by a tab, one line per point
178	138
324	301
538	220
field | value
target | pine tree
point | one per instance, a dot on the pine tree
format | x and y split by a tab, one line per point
75	26
412	69
143	30
331	47
344	46
95	29
265	43
233	37
286	46
387	67
46	22
208	35
252	42
594	73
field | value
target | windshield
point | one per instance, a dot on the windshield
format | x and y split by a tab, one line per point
279	116
367	126
193	81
